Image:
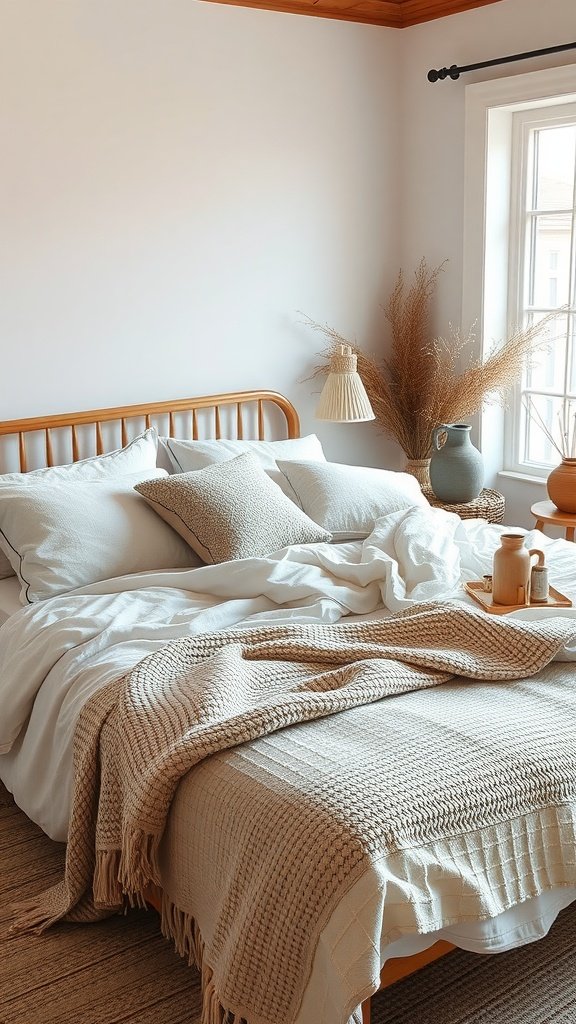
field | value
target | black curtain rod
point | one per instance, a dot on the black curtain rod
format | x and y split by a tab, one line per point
454	72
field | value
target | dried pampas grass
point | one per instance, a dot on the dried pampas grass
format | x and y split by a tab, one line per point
428	381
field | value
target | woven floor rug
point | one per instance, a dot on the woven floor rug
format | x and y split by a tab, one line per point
121	971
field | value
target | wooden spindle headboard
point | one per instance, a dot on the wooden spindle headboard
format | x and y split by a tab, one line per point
234	415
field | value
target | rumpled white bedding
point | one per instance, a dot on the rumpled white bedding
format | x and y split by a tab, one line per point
55	654
9	598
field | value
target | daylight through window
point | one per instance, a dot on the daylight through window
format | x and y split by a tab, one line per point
543	278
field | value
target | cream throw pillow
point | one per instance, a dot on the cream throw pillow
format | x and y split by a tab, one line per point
60	536
347	500
231	510
137	456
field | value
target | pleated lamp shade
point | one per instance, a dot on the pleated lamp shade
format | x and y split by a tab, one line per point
343	398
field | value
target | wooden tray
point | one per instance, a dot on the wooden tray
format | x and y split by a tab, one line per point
484	598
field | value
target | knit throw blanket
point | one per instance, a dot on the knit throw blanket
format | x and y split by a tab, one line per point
138	736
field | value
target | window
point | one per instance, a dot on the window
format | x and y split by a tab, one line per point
512	268
542	278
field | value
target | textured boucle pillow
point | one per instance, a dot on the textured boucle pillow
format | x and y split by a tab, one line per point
230	510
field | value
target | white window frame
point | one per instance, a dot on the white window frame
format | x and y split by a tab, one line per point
524	122
489	109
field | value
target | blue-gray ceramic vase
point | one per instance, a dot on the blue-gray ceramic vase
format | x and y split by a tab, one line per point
456	466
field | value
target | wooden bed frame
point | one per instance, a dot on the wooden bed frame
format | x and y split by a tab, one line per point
207	417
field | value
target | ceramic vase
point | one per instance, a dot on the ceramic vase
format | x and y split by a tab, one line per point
456	466
561	485
511	570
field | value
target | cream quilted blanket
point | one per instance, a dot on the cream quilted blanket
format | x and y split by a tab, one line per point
140	735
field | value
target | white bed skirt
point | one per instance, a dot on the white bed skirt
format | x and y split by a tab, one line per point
345	942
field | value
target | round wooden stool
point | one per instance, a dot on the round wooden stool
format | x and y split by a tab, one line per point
546	512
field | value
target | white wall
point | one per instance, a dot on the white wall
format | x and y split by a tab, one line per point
179	179
432	144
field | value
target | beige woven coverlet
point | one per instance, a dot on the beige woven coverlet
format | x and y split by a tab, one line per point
140	735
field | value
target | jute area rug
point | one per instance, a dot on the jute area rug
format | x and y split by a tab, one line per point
121	971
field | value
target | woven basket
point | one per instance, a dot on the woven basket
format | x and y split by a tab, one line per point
489	505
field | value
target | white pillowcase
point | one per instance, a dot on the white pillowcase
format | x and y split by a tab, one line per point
347	500
137	456
188	456
59	536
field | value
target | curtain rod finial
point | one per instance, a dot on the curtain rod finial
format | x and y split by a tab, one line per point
452	72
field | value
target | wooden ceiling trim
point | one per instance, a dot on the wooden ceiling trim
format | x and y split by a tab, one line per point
368	12
386	13
414	12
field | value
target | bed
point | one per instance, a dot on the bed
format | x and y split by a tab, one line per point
107	581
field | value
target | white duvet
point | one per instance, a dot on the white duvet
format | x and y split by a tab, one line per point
56	653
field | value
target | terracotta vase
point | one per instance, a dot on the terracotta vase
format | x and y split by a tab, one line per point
561	486
511	570
420	468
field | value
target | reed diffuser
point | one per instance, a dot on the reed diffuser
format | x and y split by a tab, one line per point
564	439
561	482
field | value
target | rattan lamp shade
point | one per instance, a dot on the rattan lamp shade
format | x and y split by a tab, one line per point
343	398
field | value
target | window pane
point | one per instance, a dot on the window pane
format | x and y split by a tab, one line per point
551	267
554	151
572	355
543	263
569	428
548	367
541	420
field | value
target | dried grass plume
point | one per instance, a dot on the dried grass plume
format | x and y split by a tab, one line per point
426	381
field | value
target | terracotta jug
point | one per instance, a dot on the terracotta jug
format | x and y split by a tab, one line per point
511	570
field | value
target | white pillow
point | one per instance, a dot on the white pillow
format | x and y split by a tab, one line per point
138	456
60	536
347	500
188	456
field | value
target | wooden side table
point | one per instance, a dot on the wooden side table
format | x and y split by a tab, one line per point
546	512
489	505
